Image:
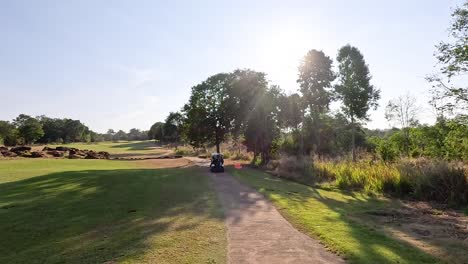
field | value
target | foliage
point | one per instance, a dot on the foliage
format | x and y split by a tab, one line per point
262	128
209	111
354	88
156	131
453	56
386	150
8	133
315	78
435	180
29	128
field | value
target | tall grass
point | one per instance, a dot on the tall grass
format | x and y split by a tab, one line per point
422	179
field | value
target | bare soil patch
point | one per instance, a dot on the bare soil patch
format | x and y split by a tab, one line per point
435	229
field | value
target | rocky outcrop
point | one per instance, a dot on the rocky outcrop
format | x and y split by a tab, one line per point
71	153
20	149
38	154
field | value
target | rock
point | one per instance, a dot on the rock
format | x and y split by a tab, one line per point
38	154
55	153
74	156
92	155
2	148
9	154
47	149
25	154
104	154
61	148
20	149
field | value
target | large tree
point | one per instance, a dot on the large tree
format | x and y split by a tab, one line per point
315	78
209	113
354	88
29	128
453	56
8	133
156	131
173	125
262	127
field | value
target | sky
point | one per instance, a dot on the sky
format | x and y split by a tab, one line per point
126	64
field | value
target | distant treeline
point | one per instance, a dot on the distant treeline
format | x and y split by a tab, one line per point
26	129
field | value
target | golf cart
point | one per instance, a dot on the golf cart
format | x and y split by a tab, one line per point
217	162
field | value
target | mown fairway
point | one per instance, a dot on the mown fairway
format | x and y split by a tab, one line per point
98	211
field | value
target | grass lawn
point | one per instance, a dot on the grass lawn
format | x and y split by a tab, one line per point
103	211
328	215
121	147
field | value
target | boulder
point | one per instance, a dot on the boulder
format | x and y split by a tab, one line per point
38	154
92	155
20	149
9	154
61	148
75	156
55	153
25	154
2	148
104	154
48	149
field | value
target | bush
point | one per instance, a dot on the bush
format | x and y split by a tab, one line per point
387	151
185	151
293	167
436	180
422	179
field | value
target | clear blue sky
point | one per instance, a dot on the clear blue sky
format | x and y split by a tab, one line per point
125	64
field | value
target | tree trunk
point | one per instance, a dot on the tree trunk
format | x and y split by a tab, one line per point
217	147
353	136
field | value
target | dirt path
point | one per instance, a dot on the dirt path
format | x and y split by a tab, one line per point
257	233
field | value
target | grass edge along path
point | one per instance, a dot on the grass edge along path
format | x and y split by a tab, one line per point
324	214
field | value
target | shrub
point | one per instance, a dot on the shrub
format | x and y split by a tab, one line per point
293	167
435	180
387	151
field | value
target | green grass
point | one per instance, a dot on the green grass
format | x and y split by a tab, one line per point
98	211
327	214
127	147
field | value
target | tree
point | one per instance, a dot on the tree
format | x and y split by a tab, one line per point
246	90
453	55
403	111
209	113
120	135
156	131
173	126
109	136
29	128
8	133
354	88
262	128
291	111
315	78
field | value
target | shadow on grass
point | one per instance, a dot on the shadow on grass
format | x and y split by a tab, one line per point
97	216
328	214
138	145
